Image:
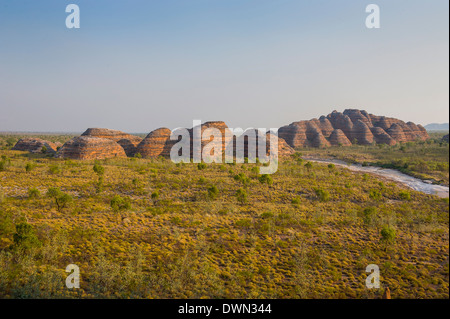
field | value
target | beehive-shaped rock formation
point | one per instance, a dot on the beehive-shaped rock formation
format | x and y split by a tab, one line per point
157	143
35	145
90	148
205	140
357	126
248	145
381	137
338	138
361	133
127	141
304	134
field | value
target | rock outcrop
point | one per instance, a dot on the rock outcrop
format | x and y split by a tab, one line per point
156	143
127	141
335	129
361	133
248	145
351	126
90	148
338	138
35	145
283	148
381	137
305	134
211	126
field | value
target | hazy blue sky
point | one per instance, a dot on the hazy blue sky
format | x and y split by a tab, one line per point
139	65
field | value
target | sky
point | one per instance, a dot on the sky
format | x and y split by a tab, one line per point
139	65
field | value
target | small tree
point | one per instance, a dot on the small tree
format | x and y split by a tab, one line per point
100	171
62	200
155	195
388	236
308	166
29	167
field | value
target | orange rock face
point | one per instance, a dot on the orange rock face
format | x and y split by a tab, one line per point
248	145
127	141
356	125
305	134
90	148
381	137
157	143
35	145
205	140
338	138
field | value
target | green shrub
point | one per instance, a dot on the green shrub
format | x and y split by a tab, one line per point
265	178
244	223
34	193
213	192
29	167
322	195
296	200
25	236
404	195
241	196
54	169
266	215
375	194
201	166
369	215
119	203
388	234
10	142
4	163
99	169
241	177
155	195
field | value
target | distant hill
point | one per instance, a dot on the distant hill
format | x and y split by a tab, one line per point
437	127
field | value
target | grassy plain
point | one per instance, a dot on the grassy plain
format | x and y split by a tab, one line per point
149	228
